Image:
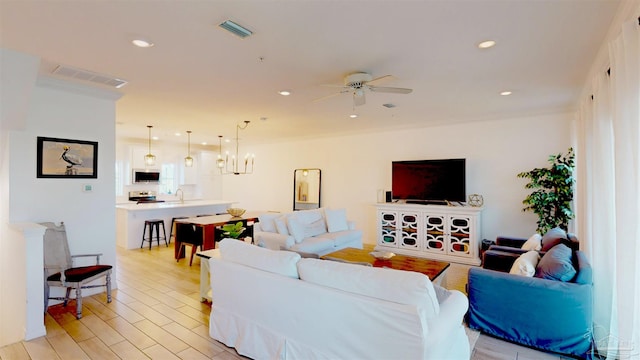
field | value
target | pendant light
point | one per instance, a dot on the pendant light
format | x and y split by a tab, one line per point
220	162
188	161
149	159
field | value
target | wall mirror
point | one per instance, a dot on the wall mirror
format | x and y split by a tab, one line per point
306	189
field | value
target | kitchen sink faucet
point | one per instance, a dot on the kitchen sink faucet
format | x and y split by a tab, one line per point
181	195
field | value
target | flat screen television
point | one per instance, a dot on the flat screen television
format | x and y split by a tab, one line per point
429	181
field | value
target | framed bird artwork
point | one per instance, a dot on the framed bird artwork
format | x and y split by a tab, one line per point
65	158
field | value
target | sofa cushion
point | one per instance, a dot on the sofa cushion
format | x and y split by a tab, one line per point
281	225
336	220
533	243
316	245
277	262
267	222
341	238
403	287
556	264
552	238
306	224
525	264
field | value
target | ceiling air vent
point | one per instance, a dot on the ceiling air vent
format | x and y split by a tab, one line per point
85	75
389	105
236	29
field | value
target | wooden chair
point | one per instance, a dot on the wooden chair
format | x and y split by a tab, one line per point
188	234
60	272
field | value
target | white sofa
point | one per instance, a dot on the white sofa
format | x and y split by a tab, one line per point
312	233
276	305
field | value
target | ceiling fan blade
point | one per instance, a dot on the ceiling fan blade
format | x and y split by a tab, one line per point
359	98
334	85
393	90
380	79
328	96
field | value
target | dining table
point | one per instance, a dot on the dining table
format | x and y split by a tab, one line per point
211	228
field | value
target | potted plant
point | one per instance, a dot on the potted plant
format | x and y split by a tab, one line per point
553	192
233	230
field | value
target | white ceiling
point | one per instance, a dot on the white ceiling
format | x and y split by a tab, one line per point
199	77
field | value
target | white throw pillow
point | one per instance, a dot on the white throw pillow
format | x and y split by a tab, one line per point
336	220
525	264
296	229
277	262
315	228
281	225
267	222
533	243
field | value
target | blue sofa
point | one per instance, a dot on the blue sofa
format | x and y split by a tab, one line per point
546	314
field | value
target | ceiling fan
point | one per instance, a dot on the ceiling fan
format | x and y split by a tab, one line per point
357	83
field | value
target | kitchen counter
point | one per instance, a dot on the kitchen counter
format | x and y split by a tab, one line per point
130	218
132	206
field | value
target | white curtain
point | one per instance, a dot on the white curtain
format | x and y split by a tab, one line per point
608	201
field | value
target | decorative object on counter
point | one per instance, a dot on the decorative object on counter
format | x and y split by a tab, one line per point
149	159
64	158
236	212
233	168
552	192
233	230
188	161
476	200
382	255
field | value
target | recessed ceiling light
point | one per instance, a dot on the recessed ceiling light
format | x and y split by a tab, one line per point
506	93
142	43
178	134
284	92
155	138
353	116
487	44
227	140
204	143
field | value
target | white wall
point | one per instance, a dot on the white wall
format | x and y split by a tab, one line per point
355	167
63	110
17	75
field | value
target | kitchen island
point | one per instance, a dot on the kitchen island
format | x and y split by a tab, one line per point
130	217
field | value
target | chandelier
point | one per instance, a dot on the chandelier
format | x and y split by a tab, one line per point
232	165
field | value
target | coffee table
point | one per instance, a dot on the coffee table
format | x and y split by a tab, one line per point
435	270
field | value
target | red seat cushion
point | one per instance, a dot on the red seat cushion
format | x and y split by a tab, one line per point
80	273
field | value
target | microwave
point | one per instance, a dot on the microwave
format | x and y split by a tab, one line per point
146	176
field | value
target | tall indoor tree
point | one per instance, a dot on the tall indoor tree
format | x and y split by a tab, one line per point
552	192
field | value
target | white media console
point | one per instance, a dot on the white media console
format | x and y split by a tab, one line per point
439	232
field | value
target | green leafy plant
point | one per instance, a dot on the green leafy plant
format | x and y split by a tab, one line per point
553	192
233	230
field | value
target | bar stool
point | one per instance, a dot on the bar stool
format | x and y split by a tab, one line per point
151	224
172	229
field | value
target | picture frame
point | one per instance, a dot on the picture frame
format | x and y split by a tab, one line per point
66	158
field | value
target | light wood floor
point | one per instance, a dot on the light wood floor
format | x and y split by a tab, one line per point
156	313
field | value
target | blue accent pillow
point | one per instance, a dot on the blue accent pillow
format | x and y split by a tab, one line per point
556	264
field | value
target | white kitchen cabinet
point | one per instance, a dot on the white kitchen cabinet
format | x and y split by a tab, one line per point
448	233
